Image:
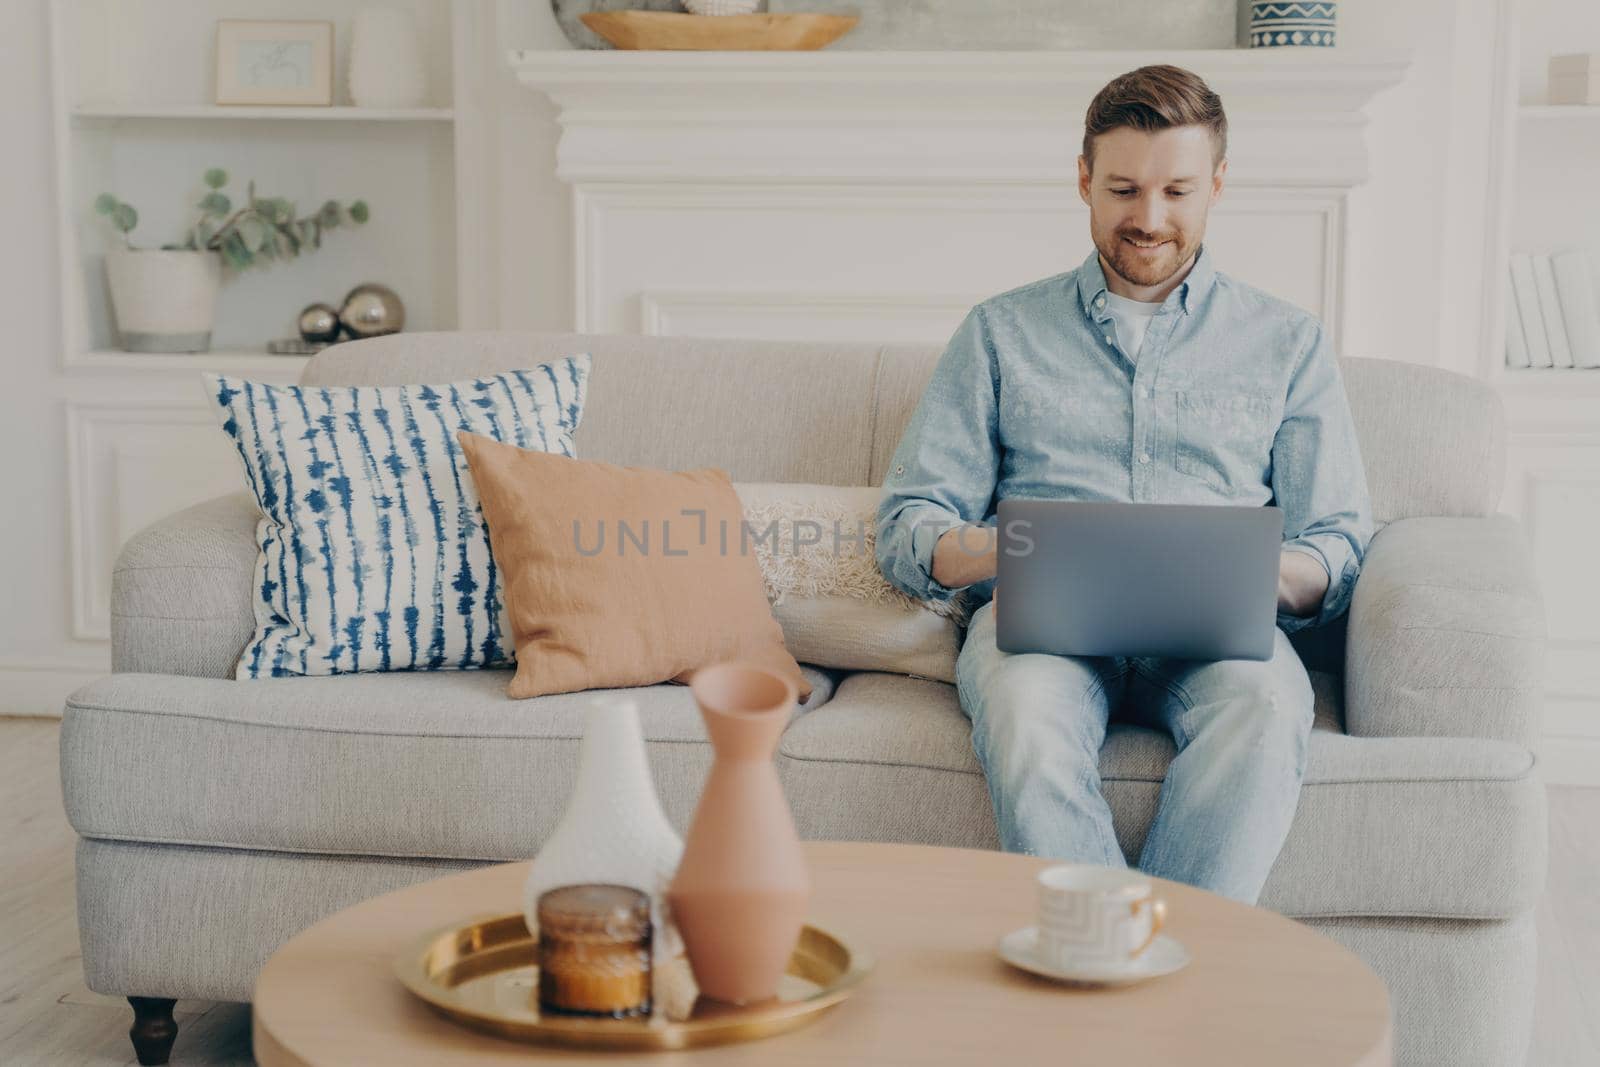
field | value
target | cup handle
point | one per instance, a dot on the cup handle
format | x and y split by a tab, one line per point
1158	919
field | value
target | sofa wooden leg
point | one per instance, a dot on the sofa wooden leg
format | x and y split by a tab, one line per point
153	1030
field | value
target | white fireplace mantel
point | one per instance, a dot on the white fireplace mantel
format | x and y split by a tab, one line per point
877	195
1296	116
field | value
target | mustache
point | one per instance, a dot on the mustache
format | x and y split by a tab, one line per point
1147	238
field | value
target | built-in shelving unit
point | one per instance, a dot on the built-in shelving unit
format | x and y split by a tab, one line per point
135	117
1554	163
113	112
226	360
1585	380
133	113
1558	112
1550	168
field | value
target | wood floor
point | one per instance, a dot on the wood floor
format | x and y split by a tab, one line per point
48	1017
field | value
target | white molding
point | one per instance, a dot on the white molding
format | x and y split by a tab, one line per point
1571	761
1559	436
260	363
1336	270
1569	752
1558	112
474	67
71	304
40	693
657	306
615	82
87	502
1570	746
38	688
925	132
594	203
1573	673
1004	117
86	114
1502	157
1536	477
586	227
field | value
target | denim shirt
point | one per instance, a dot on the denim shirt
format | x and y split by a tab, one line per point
1236	399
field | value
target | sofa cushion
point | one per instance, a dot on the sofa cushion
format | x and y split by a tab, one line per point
1385	827
587	611
445	766
440	765
374	555
814	544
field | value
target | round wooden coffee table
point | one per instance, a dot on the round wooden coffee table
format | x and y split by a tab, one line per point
1261	989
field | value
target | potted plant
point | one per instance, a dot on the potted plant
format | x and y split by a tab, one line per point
165	299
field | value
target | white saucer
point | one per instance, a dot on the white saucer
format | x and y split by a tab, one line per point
1164	956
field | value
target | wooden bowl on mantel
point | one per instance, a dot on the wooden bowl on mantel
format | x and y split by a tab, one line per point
678	31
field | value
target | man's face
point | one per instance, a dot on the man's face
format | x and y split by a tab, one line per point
1148	199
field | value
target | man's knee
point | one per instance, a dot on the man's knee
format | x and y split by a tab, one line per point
1040	706
1251	701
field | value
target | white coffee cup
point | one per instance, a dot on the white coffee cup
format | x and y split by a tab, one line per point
1096	915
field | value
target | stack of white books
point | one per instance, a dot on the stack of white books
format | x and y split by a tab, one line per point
1553	315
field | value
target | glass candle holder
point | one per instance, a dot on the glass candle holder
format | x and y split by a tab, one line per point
594	951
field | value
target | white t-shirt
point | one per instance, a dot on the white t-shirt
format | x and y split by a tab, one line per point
1133	319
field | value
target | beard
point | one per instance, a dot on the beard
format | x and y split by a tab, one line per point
1146	269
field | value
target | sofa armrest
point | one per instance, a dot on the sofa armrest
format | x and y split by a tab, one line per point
181	591
1447	633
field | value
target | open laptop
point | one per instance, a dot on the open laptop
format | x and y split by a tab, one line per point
1107	579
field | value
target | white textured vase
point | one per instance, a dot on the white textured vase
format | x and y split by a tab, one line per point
165	300
386	59
613	830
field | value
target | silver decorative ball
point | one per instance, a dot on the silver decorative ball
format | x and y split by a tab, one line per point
371	311
319	323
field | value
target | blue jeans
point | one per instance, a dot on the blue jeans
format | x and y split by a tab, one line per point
1240	727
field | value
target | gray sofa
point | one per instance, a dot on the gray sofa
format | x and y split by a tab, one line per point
218	818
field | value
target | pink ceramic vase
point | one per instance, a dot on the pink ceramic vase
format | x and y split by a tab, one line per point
740	895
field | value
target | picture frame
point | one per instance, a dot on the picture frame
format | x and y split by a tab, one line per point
274	62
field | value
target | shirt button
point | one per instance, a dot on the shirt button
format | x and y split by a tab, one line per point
1144	457
899	470
1100	302
1109	341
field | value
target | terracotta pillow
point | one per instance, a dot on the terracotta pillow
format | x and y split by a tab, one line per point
608	578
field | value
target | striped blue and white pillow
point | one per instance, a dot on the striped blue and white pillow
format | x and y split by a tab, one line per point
374	555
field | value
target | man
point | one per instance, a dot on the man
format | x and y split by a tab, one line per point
1143	375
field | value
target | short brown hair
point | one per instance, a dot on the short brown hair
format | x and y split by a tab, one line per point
1156	98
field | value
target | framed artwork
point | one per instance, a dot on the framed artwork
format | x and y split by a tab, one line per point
274	62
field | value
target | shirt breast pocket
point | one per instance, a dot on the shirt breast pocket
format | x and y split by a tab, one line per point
1224	439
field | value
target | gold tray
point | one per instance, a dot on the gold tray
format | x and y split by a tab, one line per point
484	974
677	31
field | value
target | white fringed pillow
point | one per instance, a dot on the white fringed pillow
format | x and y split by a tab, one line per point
815	547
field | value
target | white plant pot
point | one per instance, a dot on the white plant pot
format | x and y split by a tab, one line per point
386	59
165	301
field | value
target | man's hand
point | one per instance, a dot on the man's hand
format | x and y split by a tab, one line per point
965	555
1302	583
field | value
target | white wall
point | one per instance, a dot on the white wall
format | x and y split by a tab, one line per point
536	291
36	655
1391	296
1411	249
